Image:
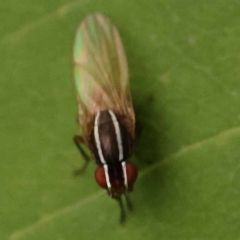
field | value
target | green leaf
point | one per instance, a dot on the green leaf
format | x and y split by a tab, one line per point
184	65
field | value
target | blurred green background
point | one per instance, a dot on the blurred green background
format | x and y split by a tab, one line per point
184	61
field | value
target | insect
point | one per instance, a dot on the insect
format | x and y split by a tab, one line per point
105	110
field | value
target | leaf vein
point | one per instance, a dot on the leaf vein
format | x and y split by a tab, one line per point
18	34
19	234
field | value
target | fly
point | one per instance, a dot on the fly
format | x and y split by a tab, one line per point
105	110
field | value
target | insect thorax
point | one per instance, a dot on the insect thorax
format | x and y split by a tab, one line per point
110	140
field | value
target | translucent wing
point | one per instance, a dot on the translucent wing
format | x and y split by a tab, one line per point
101	72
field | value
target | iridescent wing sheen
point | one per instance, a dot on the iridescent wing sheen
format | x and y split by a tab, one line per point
101	72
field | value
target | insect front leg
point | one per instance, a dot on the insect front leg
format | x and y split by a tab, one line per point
78	140
129	202
122	210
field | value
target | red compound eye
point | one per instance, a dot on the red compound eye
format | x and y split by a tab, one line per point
100	177
132	173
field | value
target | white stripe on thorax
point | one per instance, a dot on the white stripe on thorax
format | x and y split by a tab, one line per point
105	166
124	173
118	134
97	139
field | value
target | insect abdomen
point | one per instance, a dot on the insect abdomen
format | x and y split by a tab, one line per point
110	139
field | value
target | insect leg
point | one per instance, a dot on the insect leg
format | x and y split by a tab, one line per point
78	140
129	202
122	210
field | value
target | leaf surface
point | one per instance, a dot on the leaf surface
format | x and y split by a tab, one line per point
184	67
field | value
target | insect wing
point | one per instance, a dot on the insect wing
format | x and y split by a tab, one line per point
101	71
